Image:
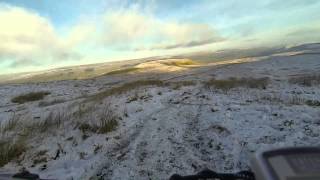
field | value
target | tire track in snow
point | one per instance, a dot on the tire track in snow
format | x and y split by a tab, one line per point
129	147
192	134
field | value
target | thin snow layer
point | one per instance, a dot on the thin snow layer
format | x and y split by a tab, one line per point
166	130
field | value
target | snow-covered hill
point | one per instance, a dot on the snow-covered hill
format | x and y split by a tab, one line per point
151	124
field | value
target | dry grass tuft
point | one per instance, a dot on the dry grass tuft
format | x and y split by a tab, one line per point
33	96
177	85
227	84
18	129
83	109
126	88
138	84
10	124
107	121
10	151
50	103
54	120
307	80
313	103
288	99
24	127
86	127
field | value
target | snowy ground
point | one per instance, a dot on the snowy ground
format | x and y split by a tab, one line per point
166	129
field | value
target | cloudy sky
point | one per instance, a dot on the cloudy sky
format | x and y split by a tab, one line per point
43	34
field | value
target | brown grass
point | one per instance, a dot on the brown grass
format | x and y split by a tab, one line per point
126	88
138	84
86	127
24	127
107	121
291	99
185	62
306	80
227	84
288	99
32	96
122	71
40	160
10	124
133	98
177	85
10	151
12	145
50	103
315	103
53	121
83	109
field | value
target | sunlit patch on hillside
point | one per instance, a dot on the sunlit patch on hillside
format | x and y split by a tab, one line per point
168	65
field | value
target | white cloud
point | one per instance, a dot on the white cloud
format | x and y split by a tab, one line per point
27	39
81	33
26	35
137	29
187	35
23	32
126	27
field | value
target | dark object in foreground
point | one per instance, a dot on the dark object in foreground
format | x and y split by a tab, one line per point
208	175
295	163
26	175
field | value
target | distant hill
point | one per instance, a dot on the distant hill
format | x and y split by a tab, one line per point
112	68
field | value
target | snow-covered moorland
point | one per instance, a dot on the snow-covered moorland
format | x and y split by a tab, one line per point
151	124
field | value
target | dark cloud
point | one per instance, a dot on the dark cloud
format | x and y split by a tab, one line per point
190	44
